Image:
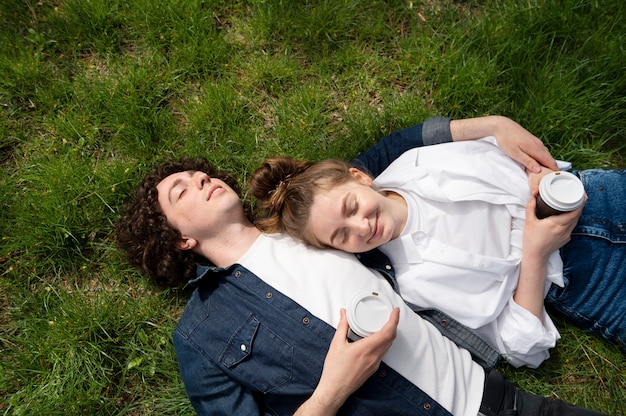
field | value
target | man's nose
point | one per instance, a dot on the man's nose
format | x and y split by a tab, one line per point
201	179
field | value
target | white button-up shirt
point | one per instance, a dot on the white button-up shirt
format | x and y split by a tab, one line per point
461	248
323	282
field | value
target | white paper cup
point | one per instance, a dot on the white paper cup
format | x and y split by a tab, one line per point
367	312
559	192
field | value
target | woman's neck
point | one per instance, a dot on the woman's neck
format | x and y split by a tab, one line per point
400	211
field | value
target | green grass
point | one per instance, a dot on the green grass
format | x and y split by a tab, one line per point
94	93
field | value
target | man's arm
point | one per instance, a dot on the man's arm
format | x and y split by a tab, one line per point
517	142
376	159
347	366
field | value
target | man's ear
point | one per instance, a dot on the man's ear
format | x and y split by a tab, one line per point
361	177
186	243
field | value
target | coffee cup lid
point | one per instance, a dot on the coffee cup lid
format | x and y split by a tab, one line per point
562	191
367	312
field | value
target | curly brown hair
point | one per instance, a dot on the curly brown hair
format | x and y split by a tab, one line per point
147	239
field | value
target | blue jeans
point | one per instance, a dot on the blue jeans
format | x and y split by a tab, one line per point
594	296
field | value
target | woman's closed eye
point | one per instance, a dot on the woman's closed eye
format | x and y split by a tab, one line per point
338	237
342	234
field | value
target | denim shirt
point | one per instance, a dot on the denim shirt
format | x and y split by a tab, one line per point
246	349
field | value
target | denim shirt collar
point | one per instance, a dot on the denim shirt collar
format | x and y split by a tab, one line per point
202	270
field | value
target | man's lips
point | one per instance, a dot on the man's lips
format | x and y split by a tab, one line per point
213	190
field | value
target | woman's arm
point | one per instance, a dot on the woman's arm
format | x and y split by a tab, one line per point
541	238
348	365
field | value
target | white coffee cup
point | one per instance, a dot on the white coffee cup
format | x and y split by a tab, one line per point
367	312
559	192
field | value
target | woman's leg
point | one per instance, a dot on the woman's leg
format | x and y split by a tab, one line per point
594	297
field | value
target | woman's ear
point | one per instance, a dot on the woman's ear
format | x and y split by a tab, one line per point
361	177
186	243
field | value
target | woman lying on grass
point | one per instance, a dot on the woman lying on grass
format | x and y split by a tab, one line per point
458	222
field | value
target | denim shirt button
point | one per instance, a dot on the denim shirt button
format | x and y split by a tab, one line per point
306	320
268	295
444	322
243	347
382	373
237	273
388	266
426	406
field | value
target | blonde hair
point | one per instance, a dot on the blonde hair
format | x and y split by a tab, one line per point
285	189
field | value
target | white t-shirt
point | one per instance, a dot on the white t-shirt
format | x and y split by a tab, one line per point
323	281
461	249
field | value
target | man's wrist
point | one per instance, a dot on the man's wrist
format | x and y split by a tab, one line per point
436	130
320	404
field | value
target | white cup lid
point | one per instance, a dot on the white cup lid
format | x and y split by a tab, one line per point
562	191
367	312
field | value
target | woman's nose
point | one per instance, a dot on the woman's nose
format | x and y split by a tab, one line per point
362	226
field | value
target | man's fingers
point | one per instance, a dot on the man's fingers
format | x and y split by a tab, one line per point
529	163
388	332
341	334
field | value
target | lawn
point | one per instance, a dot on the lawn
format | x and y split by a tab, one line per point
94	93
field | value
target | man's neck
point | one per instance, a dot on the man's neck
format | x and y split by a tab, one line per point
225	249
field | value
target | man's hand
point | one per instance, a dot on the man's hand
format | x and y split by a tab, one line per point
348	365
514	140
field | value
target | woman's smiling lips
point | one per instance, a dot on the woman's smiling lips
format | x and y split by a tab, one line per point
376	229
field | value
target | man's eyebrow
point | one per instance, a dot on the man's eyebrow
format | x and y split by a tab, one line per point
344	204
172	187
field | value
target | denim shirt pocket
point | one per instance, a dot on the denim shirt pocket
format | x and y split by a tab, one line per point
258	355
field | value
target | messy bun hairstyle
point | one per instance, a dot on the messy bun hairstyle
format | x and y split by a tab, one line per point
285	189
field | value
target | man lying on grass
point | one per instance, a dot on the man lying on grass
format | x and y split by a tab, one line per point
263	333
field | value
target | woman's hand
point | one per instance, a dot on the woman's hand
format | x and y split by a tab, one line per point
348	365
541	238
535	177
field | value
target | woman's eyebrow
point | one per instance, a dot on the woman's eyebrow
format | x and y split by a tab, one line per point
344	204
